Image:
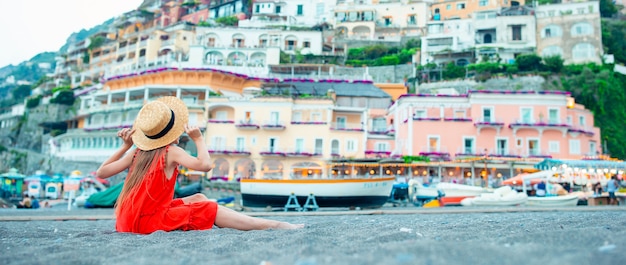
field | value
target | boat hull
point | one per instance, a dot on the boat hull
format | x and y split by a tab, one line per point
364	193
554	201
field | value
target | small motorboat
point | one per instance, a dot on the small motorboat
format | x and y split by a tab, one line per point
554	201
503	196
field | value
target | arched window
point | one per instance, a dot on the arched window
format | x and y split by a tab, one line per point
583	51
582	28
551	31
487	38
551	51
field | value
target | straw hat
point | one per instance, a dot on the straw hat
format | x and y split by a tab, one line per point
160	123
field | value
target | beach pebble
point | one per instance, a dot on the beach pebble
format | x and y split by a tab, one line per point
406	230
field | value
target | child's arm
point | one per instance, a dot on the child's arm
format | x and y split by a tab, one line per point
114	164
200	163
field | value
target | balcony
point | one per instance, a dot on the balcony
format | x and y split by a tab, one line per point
436	154
273	125
247	125
578	130
377	153
299	152
457	119
489	123
540	126
346	127
308	123
272	151
415	118
221	121
233	151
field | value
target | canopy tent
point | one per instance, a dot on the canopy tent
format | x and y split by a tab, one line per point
548	164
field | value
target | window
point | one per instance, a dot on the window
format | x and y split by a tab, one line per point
448	7
581	10
433	143
299	145
460	6
379	124
218	143
502	146
483	2
277	9
518	142
241	143
340	123
569	120
319	10
273	142
581	120
351	146
517	32
257	8
553	147
319	146
297	116
316	116
574	147
459	114
592	148
533	147
553	116
583	51
300	10
420	114
468	145
527	115
306	44
553	50
551	13
551	31
582	28
381	147
334	147
274	118
487	115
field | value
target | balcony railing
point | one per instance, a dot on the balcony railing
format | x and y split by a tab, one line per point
351	127
377	153
489	122
309	122
532	123
300	152
229	151
274	151
247	125
221	121
460	119
273	125
583	130
416	118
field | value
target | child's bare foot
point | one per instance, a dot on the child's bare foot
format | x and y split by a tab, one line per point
285	225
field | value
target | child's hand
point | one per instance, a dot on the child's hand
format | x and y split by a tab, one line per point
193	132
126	135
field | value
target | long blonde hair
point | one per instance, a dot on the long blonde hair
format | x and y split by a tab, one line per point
138	169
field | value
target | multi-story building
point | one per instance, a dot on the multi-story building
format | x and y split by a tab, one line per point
517	128
448	41
295	128
9	120
571	30
464	9
380	20
303	13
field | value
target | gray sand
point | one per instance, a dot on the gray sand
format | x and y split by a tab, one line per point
499	237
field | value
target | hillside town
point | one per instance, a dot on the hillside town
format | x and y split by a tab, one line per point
296	89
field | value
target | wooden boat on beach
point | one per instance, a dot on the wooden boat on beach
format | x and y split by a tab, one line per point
347	192
554	201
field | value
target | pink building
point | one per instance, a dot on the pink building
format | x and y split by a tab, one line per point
498	124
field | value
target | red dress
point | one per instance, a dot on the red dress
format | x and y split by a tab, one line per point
151	206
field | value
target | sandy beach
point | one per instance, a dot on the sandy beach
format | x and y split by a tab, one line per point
578	235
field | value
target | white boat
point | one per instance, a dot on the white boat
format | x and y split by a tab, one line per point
503	196
554	201
359	192
460	190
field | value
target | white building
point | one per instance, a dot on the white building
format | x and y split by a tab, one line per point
303	13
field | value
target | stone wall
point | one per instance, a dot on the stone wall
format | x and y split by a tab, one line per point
379	74
31	133
533	83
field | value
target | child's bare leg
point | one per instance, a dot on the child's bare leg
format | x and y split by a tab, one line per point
198	197
228	218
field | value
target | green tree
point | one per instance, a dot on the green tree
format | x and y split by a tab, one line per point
21	92
607	8
553	63
65	97
528	62
453	71
614	38
228	21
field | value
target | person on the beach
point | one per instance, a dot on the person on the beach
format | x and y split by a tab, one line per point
146	202
611	187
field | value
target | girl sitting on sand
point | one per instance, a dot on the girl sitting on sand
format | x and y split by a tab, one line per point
146	202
